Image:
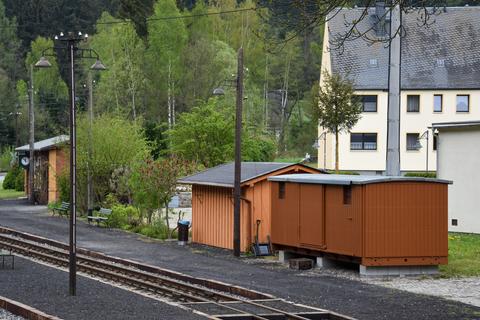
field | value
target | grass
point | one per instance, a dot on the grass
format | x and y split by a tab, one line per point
463	256
10	194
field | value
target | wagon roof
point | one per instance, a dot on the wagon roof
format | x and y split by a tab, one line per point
340	179
222	175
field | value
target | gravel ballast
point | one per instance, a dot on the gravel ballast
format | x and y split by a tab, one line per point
347	296
5	315
46	289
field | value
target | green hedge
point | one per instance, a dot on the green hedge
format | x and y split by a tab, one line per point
421	174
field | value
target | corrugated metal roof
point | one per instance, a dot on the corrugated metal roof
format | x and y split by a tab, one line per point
45	144
458	124
340	179
223	175
451	37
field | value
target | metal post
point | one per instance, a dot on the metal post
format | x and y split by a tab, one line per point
73	169
238	157
16	125
324	151
394	75
90	147
31	139
427	151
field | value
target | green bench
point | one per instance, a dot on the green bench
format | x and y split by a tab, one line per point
102	216
61	210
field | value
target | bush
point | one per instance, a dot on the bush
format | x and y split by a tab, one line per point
344	172
10	180
156	230
63	186
421	174
123	217
20	181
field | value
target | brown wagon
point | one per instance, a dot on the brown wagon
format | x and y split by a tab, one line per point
376	221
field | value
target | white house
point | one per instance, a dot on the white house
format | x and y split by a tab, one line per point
458	159
440	82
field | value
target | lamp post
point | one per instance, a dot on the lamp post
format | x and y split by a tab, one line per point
238	152
73	51
316	145
425	136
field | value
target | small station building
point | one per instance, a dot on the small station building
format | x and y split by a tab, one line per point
388	225
212	202
49	161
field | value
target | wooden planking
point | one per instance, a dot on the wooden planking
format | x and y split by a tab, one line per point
212	217
343	221
311	216
406	219
285	214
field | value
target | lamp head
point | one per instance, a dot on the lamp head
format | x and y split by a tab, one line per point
43	63
218	92
98	65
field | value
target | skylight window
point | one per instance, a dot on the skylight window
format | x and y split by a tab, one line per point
373	62
440	62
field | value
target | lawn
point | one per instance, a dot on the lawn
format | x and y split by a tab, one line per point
463	256
10	194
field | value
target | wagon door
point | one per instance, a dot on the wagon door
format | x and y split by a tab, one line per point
312	216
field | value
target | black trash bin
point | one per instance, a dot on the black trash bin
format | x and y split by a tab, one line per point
183	226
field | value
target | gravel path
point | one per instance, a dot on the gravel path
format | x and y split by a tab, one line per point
5	315
341	294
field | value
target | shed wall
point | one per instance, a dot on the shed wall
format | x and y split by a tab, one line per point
212	217
406	221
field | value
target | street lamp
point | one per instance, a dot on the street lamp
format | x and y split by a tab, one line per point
316	145
72	39
425	136
238	152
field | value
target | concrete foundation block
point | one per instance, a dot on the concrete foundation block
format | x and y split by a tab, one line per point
284	256
301	264
397	271
323	262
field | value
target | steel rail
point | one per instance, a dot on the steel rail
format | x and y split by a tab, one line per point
139	279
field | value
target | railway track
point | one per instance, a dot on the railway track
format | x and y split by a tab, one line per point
213	299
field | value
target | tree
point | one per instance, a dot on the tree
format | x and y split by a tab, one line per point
338	107
121	86
154	183
206	135
116	143
167	40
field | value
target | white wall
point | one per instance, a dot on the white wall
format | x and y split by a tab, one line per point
459	161
410	122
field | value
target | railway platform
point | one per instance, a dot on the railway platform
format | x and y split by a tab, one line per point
345	296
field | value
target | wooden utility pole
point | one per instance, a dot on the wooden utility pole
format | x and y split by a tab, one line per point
31	139
238	157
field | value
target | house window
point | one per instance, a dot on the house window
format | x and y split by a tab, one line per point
454	222
347	194
363	141
369	103
437	103
435	141
281	190
412	141
413	103
463	103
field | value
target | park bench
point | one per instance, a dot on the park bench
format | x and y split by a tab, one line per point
62	209
7	254
102	216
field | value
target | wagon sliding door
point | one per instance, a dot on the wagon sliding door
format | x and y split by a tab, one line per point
312	216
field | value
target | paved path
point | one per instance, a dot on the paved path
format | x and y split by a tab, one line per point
351	297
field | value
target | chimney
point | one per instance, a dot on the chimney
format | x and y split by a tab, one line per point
380	19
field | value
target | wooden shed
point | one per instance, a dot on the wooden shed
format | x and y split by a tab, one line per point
212	202
49	161
371	220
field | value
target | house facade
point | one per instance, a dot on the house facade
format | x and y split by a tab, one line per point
440	82
458	160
